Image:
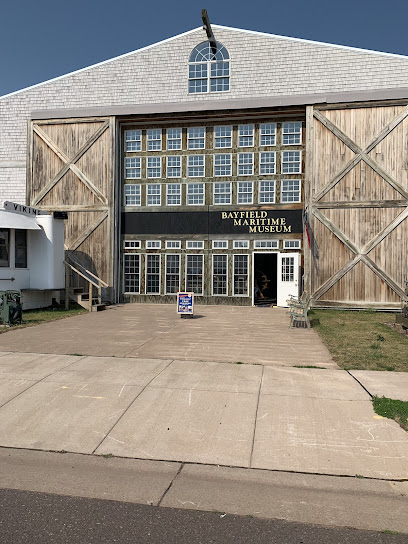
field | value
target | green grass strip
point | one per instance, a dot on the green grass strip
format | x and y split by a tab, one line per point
393	409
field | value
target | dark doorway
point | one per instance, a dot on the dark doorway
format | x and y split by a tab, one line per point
265	279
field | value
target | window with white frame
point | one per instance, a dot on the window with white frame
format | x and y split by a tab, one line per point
220	274
222	164
291	133
245	164
245	192
173	137
5	247
132	195
222	137
131	273
266	192
153	194
131	244
154	139
241	275
172	274
133	167
153	167
291	244
266	244
195	194
290	190
220	244
208	68
291	162
196	166
241	244
267	162
173	169
173	194
153	244
152	274
245	135
195	244
196	138
288	269
133	140
173	244
222	193
267	134
194	273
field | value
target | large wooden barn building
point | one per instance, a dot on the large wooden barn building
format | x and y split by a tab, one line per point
239	165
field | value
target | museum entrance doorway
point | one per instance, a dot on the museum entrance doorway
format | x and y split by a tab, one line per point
265	280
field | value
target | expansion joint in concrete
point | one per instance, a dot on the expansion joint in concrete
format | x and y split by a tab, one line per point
170	485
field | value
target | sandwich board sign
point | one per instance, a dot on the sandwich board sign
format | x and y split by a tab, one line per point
185	304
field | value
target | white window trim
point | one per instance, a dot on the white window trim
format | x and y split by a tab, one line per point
138	246
126	141
240	242
155	140
253	163
167	194
274	133
212	275
195	166
160	273
173	242
274	191
268	163
246	135
200	138
215	138
133	167
218	194
195	242
167	166
165	274
292	133
159	195
300	191
300	162
181	139
154	167
203	194
153	242
233	273
238	193
208	91
202	274
223	241
225	165
275	244
285	246
124	275
124	194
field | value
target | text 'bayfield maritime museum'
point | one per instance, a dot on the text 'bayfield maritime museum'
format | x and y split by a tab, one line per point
238	165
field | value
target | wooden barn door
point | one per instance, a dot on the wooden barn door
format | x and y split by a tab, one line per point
357	167
71	169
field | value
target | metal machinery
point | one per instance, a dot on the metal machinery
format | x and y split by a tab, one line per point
403	318
10	307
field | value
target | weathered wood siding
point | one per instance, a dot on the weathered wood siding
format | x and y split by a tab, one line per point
71	168
357	169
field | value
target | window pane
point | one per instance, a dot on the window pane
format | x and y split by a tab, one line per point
288	266
194	275
220	84
220	274
174	194
152	274
290	190
132	195
174	167
240	274
196	138
219	69
195	193
195	166
222	137
133	140
292	133
172	273
174	138
133	168
197	71
154	139
245	192
267	134
197	86
245	164
154	167
266	192
131	267
21	248
246	135
153	195
267	163
222	193
222	165
291	162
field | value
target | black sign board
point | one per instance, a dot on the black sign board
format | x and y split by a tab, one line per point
264	222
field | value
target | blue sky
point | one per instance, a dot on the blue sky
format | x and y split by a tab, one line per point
42	39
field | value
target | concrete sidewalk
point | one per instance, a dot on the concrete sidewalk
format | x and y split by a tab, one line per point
304	420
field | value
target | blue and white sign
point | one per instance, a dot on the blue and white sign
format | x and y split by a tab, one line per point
185	303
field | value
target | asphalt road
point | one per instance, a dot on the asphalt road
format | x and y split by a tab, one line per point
42	518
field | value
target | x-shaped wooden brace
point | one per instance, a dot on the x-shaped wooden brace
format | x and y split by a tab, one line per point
70	164
361	254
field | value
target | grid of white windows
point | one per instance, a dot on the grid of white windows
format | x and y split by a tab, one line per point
240	281
241	244
172	274
291	244
152	274
291	162
245	135
154	194
245	192
288	269
195	244
131	244
153	244
196	138
267	134
173	166
133	167
195	193
173	244
222	164
154	139
266	192
194	273
173	194
131	272
173	137
132	195
245	164
220	275
222	137
290	190
292	133
208	68
267	160
222	193
133	140
196	166
220	244
153	167
266	244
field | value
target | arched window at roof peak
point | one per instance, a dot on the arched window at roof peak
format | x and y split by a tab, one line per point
209	68
205	52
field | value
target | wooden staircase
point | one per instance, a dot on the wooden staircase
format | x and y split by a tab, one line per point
87	299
